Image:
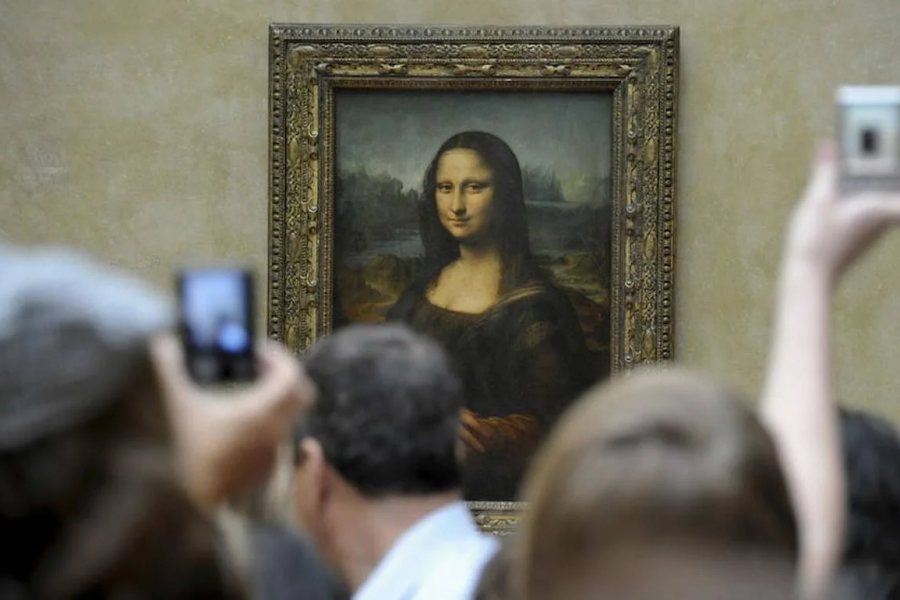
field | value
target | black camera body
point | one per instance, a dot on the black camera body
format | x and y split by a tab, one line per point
217	311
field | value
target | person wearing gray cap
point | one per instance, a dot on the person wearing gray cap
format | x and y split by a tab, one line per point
111	459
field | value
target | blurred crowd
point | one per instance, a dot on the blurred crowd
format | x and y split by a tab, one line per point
339	474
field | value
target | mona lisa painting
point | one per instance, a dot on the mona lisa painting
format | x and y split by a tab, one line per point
519	213
440	224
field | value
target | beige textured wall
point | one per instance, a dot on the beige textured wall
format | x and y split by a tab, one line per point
137	129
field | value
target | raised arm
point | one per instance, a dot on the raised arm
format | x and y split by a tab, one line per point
826	235
226	442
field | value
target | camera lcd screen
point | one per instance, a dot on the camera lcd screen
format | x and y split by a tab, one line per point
870	140
217	313
869	133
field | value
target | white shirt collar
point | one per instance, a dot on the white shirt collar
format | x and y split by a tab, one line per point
447	530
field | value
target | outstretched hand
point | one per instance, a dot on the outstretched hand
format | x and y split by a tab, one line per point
829	231
226	441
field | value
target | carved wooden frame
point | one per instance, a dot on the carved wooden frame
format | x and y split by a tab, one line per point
638	65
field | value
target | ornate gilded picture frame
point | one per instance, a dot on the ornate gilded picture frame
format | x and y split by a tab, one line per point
510	191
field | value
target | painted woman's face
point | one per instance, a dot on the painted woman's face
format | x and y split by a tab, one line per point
464	193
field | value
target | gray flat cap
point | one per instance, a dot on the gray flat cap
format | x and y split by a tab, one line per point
73	333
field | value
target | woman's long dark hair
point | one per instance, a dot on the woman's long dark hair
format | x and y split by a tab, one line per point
508	224
97	512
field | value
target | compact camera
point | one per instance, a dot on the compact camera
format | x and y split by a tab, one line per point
217	324
869	138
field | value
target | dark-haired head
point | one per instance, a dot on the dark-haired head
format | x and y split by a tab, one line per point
508	225
871	561
386	412
96	510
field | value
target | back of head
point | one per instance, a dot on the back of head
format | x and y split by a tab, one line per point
386	411
871	561
90	504
655	457
642	569
73	336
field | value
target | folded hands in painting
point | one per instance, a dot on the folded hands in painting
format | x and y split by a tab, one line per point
480	433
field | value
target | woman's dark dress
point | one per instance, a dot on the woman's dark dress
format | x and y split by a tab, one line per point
522	362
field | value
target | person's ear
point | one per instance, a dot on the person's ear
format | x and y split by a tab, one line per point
310	481
460	450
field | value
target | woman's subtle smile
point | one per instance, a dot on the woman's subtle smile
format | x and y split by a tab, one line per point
464	194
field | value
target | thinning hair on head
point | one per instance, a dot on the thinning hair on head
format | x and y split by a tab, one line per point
387	410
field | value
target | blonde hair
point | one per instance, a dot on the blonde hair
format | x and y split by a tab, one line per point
657	456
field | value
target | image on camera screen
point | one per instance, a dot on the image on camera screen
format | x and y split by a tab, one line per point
215	311
871	140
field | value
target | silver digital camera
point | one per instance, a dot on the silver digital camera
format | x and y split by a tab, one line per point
869	138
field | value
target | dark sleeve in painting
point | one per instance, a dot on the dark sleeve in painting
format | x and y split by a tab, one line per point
525	365
527	357
522	363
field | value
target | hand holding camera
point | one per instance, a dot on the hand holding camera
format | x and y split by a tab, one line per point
224	447
830	229
849	202
854	192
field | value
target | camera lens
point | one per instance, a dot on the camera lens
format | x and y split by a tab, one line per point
869	141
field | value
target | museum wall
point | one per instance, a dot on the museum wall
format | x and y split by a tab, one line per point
138	131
